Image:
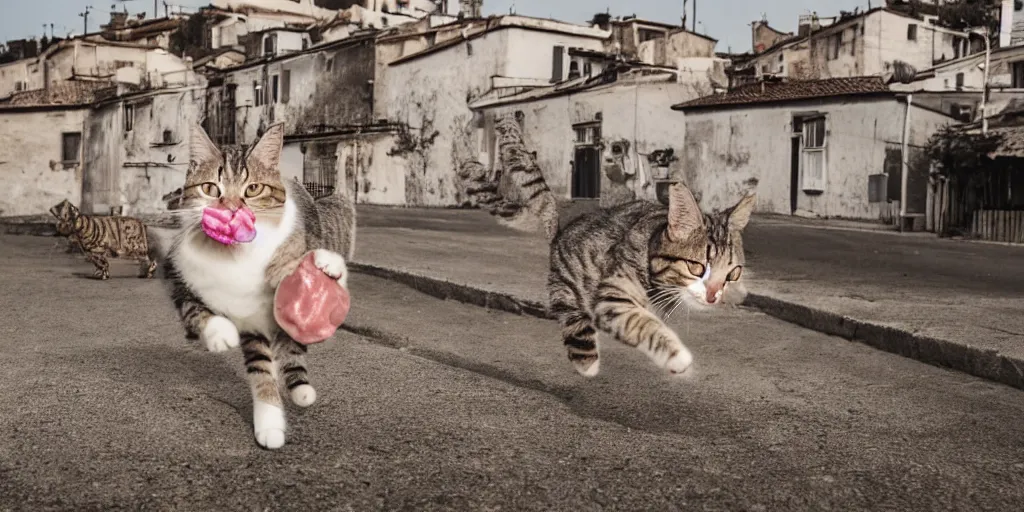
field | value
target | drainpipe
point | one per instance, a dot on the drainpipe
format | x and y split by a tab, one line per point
903	166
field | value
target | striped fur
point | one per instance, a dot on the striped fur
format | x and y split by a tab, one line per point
520	195
102	237
224	294
617	270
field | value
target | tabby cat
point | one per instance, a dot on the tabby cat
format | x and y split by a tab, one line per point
225	293
101	237
614	269
618	269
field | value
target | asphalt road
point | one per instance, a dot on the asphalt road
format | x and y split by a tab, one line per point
443	406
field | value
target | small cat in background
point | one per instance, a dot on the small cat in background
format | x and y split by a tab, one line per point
611	270
101	237
225	293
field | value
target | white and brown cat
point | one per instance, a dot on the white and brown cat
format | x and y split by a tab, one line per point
225	293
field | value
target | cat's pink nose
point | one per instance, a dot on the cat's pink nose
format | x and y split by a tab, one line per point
712	294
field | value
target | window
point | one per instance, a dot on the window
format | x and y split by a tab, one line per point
330	65
589	133
257	93
912	32
647	35
286	85
959	81
557	55
587	69
71	148
837	43
275	84
269	44
574	70
812	163
129	117
1017	77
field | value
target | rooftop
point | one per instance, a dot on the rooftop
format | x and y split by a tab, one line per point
495	23
792	90
66	93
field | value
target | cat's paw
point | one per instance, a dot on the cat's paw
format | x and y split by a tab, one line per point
268	425
220	334
303	396
680	361
588	367
332	264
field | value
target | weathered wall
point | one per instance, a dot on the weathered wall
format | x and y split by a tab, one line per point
330	88
430	94
33	177
730	150
18	71
135	168
363	166
637	117
675	46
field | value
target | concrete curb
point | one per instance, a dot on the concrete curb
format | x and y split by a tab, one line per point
986	364
29	228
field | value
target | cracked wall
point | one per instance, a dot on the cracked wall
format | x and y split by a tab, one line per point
31	167
316	91
134	168
730	151
431	93
636	122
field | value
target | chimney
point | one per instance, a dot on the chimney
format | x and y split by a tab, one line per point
1005	23
471	8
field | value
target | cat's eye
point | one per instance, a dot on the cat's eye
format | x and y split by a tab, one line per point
695	268
734	274
210	189
254	190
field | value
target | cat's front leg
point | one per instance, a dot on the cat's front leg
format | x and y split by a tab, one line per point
621	310
332	264
216	332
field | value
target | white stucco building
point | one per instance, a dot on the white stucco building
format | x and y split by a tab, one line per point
427	79
830	148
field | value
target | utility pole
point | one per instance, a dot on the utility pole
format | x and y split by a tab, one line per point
85	17
695	16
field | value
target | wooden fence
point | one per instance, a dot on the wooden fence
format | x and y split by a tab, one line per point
999	225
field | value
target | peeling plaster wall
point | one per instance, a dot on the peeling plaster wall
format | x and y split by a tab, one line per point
637	114
134	169
363	167
430	94
728	149
30	168
332	88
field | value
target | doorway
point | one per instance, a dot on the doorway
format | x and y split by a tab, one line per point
794	173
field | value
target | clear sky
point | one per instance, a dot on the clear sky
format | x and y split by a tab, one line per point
725	20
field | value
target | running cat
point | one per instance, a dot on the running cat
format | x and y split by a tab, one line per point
225	293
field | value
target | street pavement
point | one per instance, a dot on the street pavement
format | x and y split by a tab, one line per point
964	293
438	405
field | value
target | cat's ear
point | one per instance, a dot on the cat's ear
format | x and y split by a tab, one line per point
200	148
740	214
684	215
267	151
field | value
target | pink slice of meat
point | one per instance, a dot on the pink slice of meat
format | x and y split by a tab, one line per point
310	305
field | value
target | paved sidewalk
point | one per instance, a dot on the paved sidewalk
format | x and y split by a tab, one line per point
943	302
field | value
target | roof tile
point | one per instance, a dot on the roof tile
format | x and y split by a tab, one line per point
771	92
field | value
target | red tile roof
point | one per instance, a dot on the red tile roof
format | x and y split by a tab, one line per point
71	92
774	92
